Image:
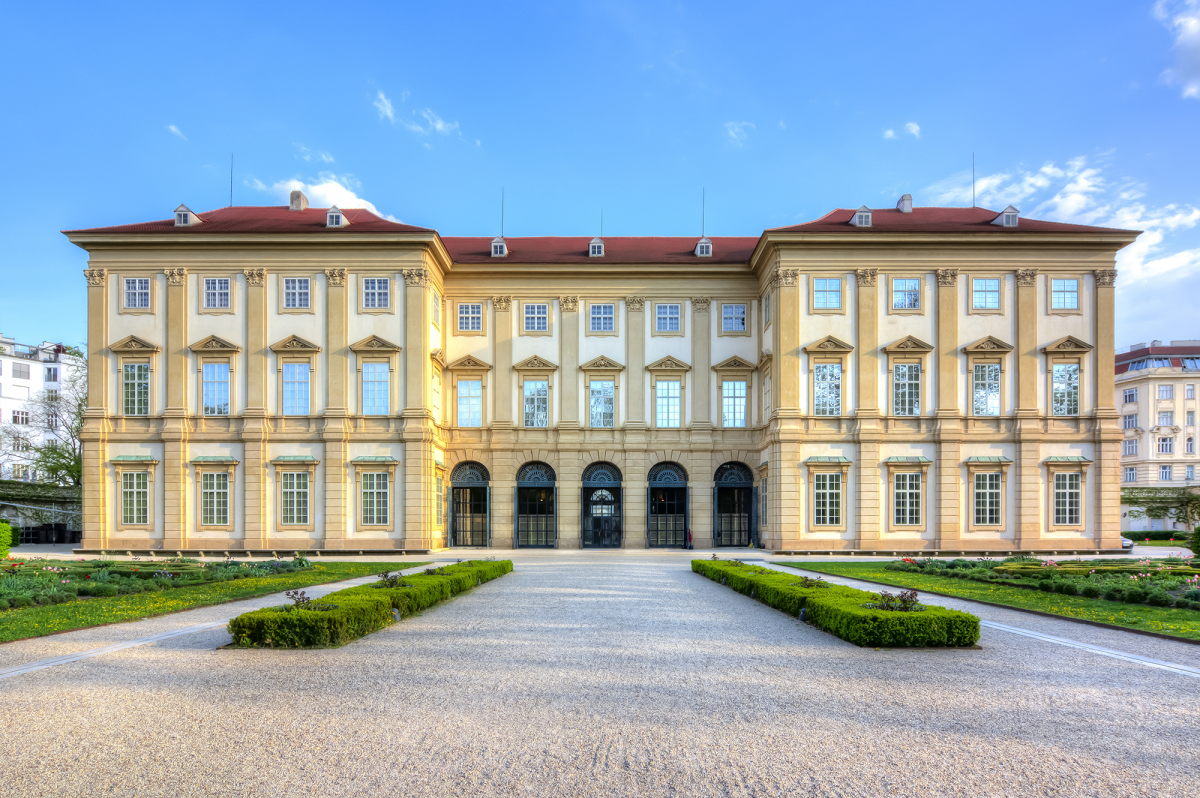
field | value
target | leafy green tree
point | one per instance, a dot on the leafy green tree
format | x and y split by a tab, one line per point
1180	505
50	443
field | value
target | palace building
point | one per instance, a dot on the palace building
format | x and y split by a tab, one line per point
878	379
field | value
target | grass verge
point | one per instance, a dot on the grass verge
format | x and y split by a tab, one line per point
81	614
1172	622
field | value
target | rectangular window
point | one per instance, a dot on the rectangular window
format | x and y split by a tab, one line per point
136	379
906	385
1190	392
216	389
375	292
1191	472
827	389
20	417
987	389
1068	502
1164	473
1064	390
537	317
1166	418
1129	446
666	318
603	318
137	293
1191	363
733	318
216	293
436	309
1166	392
1191	418
20	371
827	293
1129	421
470	317
1130	475
987	499
470	403
1166	445
667	401
214	499
295	292
537	403
295	498
295	389
1131	395
985	294
439	518
603	404
437	397
907	499
1064	294
135	497
375	389
733	403
52	374
906	294
375	499
827	499
766	307
762	510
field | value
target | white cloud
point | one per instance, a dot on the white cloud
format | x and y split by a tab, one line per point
913	128
1182	18
782	125
889	134
304	153
437	123
326	190
384	106
177	132
738	132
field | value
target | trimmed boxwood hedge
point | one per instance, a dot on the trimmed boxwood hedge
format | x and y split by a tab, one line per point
359	610
837	609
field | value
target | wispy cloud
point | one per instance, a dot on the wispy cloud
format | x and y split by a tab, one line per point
384	106
912	128
426	123
305	154
177	132
782	125
889	134
323	191
1182	18
738	132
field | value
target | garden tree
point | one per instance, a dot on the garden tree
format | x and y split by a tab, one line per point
1181	505
49	444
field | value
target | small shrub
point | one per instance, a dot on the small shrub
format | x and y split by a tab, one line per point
1046	585
1090	591
104	591
1159	598
19	602
1114	594
3	604
1069	589
1135	596
1192	595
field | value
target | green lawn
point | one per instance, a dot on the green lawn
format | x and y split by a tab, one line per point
85	612
1177	623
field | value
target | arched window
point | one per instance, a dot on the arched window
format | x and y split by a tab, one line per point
667	473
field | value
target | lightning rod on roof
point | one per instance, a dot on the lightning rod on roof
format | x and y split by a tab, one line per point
972	180
502	212
231	180
702	210
602	223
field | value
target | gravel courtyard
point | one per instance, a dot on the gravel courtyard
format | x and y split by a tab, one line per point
609	674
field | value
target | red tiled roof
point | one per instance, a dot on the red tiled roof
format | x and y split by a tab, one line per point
265	219
617	249
934	220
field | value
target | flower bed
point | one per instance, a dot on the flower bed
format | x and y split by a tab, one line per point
840	610
349	614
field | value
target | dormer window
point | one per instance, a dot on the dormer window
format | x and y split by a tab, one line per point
861	217
184	217
596	248
335	218
1008	217
704	248
499	248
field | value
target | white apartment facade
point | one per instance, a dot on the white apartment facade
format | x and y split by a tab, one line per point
26	370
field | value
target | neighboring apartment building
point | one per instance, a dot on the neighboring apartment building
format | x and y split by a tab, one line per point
896	379
1156	386
26	371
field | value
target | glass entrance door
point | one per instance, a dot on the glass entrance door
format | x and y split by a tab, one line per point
470	516
535	517
602	517
733	517
667	517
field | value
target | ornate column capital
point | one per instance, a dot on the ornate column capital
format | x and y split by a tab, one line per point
788	276
947	277
502	303
569	304
415	277
96	277
1106	276
635	304
700	304
176	276
865	276
1027	277
335	276
254	276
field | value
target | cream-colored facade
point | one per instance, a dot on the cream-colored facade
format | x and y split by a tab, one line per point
811	389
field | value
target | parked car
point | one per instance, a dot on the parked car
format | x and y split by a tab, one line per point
1127	544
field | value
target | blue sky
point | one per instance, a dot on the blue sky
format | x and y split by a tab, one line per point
1086	112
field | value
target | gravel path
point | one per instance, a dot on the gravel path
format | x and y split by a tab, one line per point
608	675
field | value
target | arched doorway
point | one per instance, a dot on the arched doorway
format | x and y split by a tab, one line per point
602	509
535	505
667	506
733	505
470	505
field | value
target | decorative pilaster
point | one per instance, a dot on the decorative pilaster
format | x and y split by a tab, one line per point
949	419
1107	466
334	433
255	484
702	381
502	389
175	422
94	435
568	342
1029	477
869	510
635	360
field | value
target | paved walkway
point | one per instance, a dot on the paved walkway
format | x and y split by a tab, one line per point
599	674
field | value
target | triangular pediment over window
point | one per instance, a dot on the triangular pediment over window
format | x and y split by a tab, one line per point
373	343
735	363
438	356
469	362
535	363
294	344
909	343
1067	346
602	363
829	346
134	345
668	363
989	345
212	345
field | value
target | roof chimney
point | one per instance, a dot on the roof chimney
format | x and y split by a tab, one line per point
1156	343
905	204
297	201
